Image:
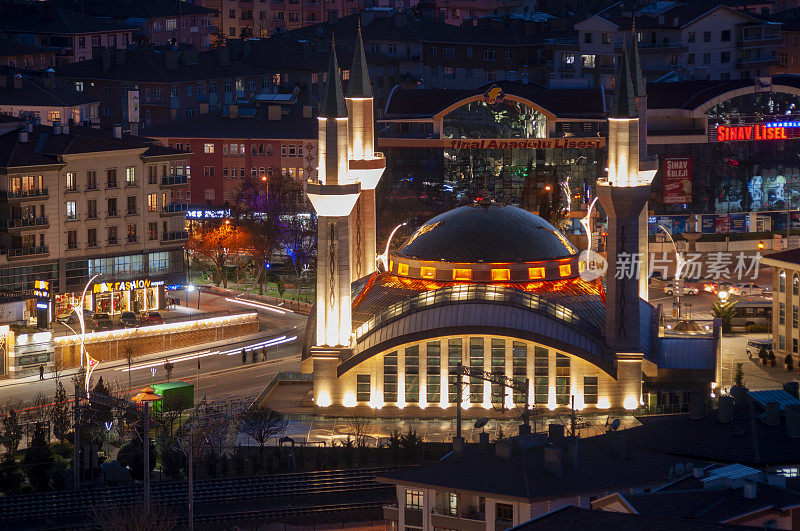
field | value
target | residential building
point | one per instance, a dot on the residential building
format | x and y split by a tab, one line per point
77	202
25	56
786	303
522	478
72	35
39	98
789	50
676	40
173	84
245	141
245	18
577	519
158	22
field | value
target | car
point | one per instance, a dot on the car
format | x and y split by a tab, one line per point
71	317
100	321
669	289
750	288
716	287
129	320
151	318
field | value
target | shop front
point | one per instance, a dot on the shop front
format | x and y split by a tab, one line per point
113	298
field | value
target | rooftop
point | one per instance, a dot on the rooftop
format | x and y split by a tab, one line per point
574	518
37	91
293	126
143	9
11	47
46	19
691	94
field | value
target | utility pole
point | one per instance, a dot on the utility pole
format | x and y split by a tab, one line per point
191	478
146	446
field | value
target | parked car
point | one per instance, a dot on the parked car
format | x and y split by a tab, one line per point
669	289
129	320
101	321
151	318
71	317
750	288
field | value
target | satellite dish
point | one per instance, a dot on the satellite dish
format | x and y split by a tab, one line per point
679	469
615	425
481	422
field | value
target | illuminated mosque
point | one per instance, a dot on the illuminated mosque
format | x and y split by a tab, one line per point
491	288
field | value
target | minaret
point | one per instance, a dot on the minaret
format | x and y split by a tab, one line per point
623	196
641	106
364	164
333	198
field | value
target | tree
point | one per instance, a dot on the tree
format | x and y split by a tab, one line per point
411	444
38	460
131	455
173	460
262	204
300	241
789	362
214	246
261	423
11	479
738	375
59	413
12	431
79	379
724	310
360	428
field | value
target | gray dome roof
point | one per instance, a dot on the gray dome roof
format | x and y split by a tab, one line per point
487	233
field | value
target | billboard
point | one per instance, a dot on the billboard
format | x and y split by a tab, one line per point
677	176
133	105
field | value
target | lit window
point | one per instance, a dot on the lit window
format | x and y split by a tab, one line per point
402	269
428	272
501	275
208	148
462	274
565	270
535	273
414	499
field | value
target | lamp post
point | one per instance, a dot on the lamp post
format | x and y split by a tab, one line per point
189	289
146	396
81	320
153	372
679	263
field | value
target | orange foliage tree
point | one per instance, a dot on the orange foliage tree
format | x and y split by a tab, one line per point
215	246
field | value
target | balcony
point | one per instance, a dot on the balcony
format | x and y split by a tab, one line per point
112	185
659	47
91	245
132	239
131	184
72	247
174	209
751	62
92	215
174	180
71	190
92	187
176	236
132	212
762	40
22	195
112	214
72	218
28	223
112	241
27	252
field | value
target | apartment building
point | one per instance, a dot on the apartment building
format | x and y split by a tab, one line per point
158	22
39	98
71	35
19	55
676	42
264	18
252	141
78	202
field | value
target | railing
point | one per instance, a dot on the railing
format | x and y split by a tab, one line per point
26	194
92	215
755	60
26	222
174	179
71	189
28	251
132	239
175	208
112	185
112	214
112	241
481	293
131	184
132	211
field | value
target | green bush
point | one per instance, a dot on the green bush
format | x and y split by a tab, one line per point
756	328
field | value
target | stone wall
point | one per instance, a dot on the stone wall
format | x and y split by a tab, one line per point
114	345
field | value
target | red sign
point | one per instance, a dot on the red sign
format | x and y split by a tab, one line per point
727	133
677	176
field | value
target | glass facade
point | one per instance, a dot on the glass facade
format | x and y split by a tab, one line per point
504	119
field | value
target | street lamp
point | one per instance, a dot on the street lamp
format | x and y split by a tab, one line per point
153	372
384	257
81	320
679	264
189	289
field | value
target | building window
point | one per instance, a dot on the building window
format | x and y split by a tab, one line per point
363	388
726	35
152	231
781	313
453	360
781	342
795	285
208	148
72	211
706	58
111	178
414	499
498	367
794	345
130	176
725	57
519	362
606	38
706	36
72	182
590	390
782	282
131	205
691	36
795	316
112	235
448	53
208	171
469	52
72	239
390	377
505	513
412	374
541	375
91	209
131	233
489	55
690	59
434	50
392	48
91	238
587	37
562	379
673	59
433	377
508	54
476	362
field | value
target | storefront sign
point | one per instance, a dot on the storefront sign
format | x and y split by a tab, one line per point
708	224
133	105
522	143
207	214
731	133
677	177
494	95
738	222
723	224
41	289
127	285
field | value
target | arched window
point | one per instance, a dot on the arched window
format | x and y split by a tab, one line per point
270	150
795	285
261	149
503	119
782	282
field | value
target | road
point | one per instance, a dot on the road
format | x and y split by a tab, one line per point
221	371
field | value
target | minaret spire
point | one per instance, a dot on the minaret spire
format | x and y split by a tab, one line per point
624	96
332	105
359	86
636	67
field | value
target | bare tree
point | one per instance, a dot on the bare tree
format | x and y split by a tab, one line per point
161	518
360	427
261	423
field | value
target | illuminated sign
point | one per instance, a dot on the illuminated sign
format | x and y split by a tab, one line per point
770	131
127	285
530	143
208	214
494	95
41	289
